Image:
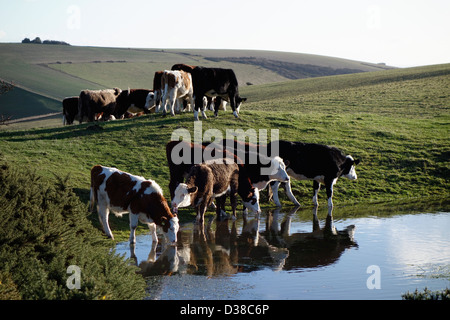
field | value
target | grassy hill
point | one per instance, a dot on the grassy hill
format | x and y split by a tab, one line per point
55	72
397	122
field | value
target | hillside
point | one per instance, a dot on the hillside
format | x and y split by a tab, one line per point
54	72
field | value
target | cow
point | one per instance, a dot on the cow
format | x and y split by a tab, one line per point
176	85
213	180
131	100
214	82
92	102
121	192
320	163
70	110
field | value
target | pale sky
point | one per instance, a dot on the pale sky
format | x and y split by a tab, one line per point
399	33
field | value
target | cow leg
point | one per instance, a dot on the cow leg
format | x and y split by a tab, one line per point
152	228
201	209
288	189
172	100
220	206
233	105
164	98
134	219
158	101
233	201
316	188
103	214
329	185
217	106
275	185
198	105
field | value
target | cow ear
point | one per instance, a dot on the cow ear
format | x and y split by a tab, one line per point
357	161
192	190
286	162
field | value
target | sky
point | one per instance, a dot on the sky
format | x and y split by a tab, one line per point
396	32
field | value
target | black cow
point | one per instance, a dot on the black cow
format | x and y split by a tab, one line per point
70	110
310	161
213	82
133	99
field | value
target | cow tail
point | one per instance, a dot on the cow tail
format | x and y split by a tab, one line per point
92	200
80	108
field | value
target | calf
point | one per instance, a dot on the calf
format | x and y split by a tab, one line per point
143	199
176	85
321	163
211	180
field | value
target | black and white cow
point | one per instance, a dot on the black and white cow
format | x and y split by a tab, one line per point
213	82
131	100
310	161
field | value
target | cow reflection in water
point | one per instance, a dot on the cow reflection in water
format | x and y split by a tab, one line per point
202	251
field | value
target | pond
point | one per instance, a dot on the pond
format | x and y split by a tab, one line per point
362	252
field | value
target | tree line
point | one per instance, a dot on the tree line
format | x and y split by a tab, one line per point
38	40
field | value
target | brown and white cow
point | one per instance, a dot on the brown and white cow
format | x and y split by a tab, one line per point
143	199
92	102
176	85
213	180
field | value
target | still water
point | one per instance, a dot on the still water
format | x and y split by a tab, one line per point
376	252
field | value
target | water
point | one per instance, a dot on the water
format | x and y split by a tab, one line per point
304	254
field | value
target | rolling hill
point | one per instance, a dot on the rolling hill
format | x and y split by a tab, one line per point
51	73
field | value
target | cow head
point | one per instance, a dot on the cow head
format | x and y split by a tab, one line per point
117	91
277	169
170	228
239	101
149	101
251	201
348	168
183	197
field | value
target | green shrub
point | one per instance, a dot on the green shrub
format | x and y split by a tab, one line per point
427	295
43	230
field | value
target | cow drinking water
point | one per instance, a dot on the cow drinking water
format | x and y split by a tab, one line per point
121	192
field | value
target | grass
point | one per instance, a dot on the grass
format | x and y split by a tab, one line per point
397	122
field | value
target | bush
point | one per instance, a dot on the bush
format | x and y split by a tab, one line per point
427	295
44	229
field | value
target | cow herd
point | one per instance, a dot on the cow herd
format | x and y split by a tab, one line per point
222	171
227	168
184	87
